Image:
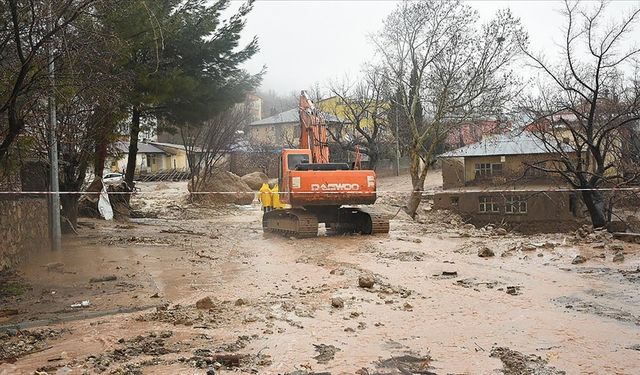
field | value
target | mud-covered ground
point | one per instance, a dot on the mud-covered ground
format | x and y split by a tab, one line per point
192	290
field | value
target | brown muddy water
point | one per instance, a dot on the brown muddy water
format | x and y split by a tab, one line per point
435	307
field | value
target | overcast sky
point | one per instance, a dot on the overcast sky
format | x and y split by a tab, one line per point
303	42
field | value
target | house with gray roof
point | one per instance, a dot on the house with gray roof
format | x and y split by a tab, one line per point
505	179
515	156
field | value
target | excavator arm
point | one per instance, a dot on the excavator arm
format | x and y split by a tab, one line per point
313	130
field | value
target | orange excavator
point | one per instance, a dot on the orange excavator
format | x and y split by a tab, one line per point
319	191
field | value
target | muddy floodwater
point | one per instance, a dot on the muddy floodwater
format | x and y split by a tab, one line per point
194	290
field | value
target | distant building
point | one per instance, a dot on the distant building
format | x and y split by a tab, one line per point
253	103
152	157
280	130
473	132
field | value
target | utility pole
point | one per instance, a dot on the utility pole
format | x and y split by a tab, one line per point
397	144
54	212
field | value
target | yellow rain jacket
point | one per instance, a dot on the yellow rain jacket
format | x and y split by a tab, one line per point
265	196
275	195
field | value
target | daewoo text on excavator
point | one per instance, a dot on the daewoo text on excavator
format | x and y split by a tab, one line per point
318	190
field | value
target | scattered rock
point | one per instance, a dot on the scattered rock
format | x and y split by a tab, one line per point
405	364
528	247
578	259
240	302
326	353
366	281
598	245
450	273
513	290
616	247
516	363
205	303
337	302
619	257
485	252
469	227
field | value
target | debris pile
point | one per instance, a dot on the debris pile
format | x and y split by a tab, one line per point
221	187
255	180
18	343
516	363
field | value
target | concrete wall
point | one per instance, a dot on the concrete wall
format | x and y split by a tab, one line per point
24	228
546	212
453	174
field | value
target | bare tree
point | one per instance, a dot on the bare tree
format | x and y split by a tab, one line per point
445	70
587	113
206	145
362	115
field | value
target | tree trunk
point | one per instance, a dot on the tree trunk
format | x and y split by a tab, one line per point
100	157
414	202
69	204
15	127
133	146
596	206
417	182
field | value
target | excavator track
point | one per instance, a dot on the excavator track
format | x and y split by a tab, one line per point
291	222
379	221
360	220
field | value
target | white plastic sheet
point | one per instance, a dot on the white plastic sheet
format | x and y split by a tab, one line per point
104	206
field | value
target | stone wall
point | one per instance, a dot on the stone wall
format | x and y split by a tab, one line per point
24	228
545	211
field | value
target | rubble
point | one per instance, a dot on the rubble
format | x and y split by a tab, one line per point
618	257
232	188
337	302
326	353
485	252
204	304
18	343
578	259
366	281
516	363
500	232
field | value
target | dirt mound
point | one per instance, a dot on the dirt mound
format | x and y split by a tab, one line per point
222	187
255	179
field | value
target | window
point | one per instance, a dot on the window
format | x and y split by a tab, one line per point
537	169
483	169
454	200
488	204
496	169
516	204
488	169
294	159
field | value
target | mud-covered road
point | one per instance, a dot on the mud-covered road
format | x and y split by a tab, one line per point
198	290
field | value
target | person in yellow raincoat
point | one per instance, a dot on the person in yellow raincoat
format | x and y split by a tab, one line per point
275	197
265	198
